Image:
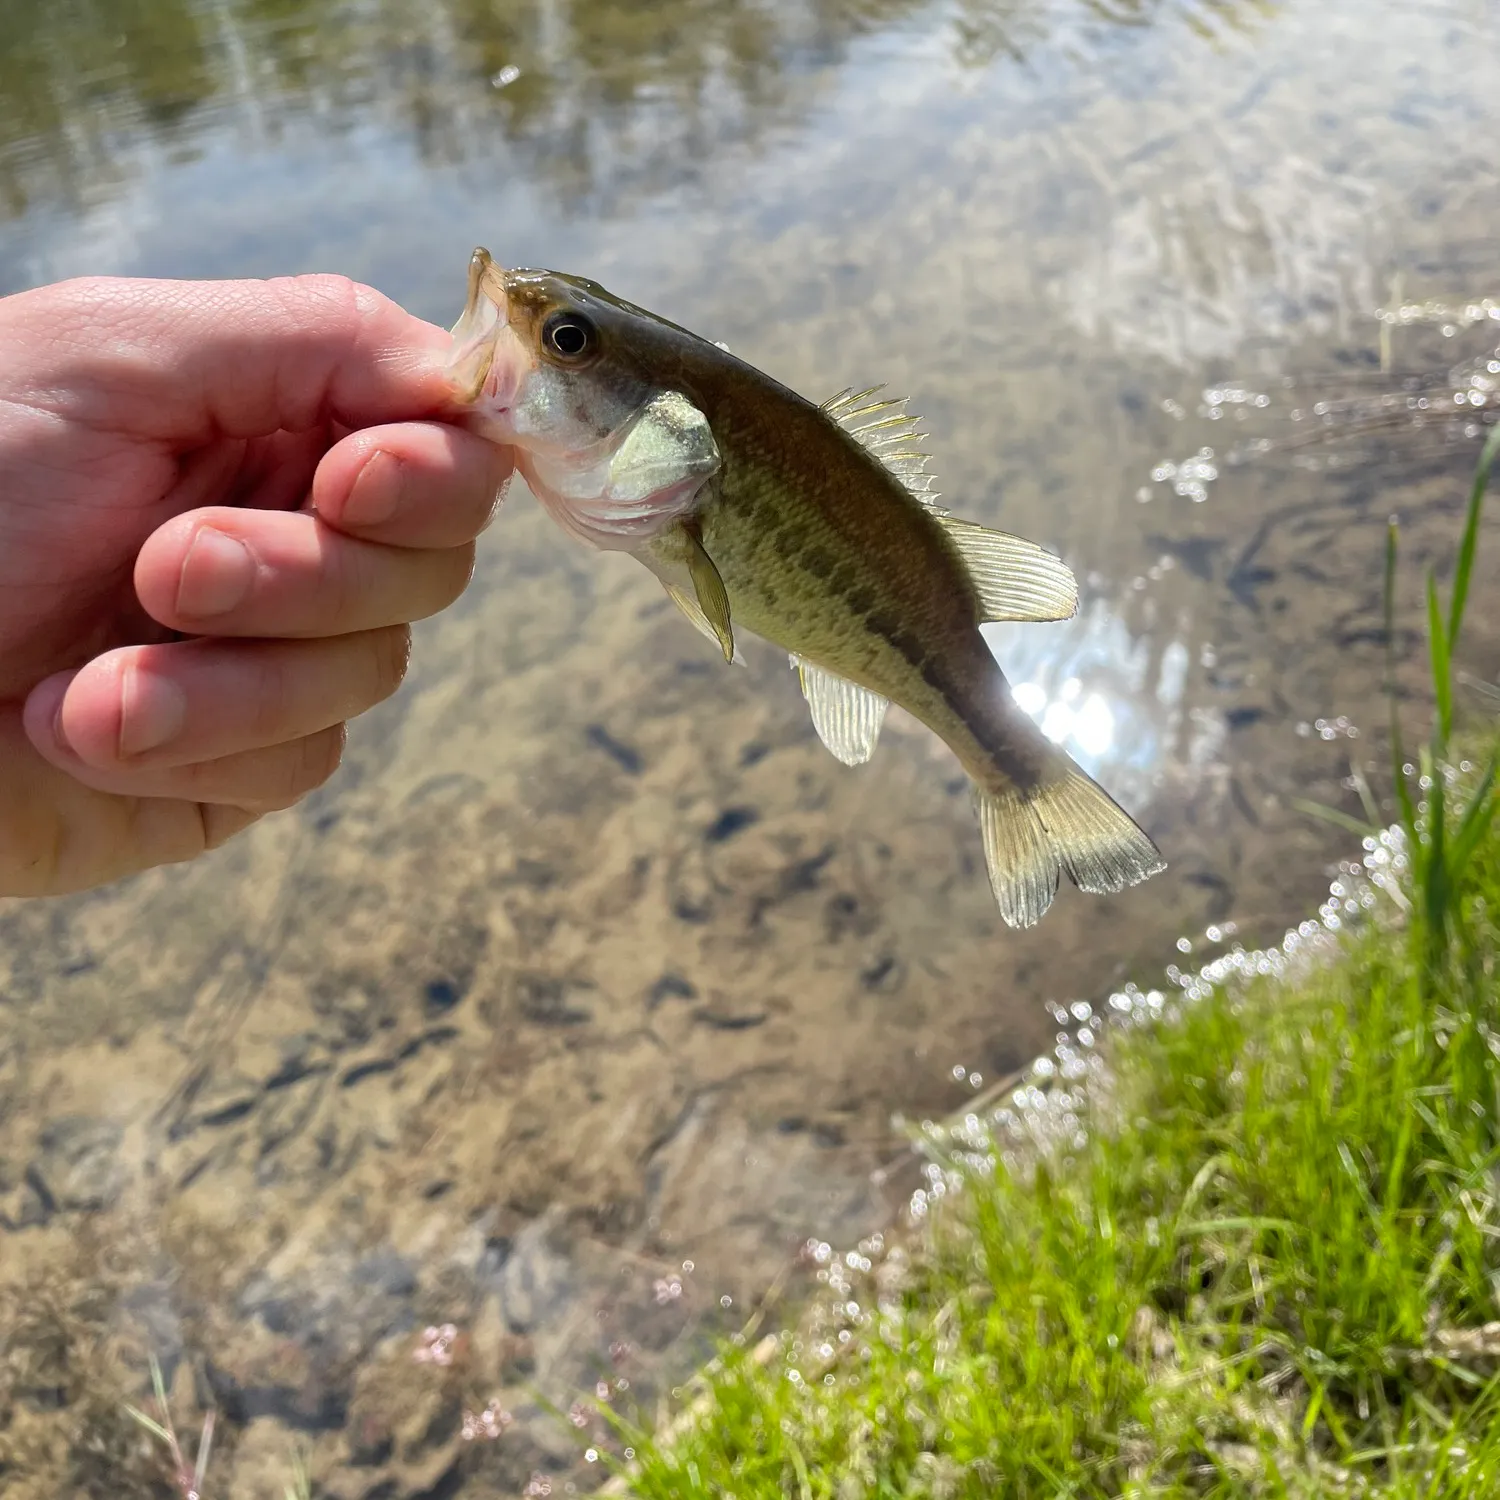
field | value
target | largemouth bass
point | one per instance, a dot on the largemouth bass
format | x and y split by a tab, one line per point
813	527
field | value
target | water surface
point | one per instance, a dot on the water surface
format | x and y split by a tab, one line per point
590	988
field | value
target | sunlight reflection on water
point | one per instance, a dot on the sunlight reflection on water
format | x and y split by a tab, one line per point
1111	699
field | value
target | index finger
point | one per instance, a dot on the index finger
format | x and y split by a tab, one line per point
187	361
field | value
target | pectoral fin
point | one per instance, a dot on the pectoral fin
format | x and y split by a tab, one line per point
847	717
713	599
1016	579
695	616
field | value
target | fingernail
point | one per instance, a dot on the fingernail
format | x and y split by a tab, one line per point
216	575
376	491
153	710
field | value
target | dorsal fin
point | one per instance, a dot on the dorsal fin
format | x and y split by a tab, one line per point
886	430
1016	579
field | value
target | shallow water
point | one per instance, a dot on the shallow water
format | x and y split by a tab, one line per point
592	964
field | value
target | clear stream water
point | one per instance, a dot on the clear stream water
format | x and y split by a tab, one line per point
591	987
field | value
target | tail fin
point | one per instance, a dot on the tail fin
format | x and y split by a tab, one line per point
1072	824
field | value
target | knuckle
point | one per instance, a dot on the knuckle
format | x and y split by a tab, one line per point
311	761
329	292
390	658
334	304
320	758
452	570
281	777
220	822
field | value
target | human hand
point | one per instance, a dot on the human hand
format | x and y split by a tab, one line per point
254	465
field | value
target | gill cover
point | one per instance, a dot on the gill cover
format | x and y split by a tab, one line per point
548	364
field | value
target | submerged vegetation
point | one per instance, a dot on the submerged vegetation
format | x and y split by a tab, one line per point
1258	1253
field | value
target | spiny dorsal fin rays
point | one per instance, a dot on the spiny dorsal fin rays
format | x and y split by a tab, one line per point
892	438
839	406
1016	579
846	716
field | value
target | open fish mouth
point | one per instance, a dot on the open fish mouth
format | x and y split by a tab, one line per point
473	370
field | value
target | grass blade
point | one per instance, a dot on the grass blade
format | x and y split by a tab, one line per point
205	1446
1477	818
149	1423
1366	796
1435	862
1442	666
1408	812
158	1384
1334	816
1470	543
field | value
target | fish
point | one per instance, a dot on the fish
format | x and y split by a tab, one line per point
813	526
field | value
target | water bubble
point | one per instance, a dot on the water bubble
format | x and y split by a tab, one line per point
505	77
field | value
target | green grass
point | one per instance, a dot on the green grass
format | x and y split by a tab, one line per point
1257	1253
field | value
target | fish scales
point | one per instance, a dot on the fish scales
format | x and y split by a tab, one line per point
824	553
808	526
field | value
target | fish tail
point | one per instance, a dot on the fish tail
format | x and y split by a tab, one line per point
1068	823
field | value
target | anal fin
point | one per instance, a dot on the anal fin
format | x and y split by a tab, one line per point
846	716
1069	825
1016	579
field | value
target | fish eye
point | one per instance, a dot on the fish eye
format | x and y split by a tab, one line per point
569	335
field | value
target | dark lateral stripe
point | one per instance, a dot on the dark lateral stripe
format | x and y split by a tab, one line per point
816	564
991	736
